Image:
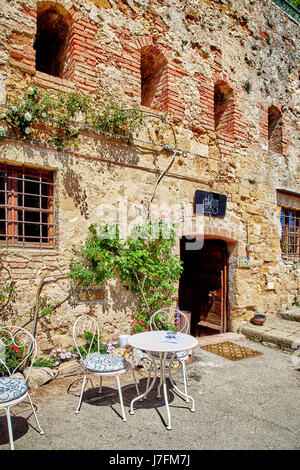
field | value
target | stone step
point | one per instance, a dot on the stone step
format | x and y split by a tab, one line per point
291	315
219	338
283	334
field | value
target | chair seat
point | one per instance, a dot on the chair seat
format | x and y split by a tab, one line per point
104	362
179	355
11	389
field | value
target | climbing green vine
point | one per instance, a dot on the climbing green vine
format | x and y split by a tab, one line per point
144	262
67	112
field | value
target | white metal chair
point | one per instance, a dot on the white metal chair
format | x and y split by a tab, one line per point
96	363
175	320
18	344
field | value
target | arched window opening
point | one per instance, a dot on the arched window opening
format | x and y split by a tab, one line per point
223	108
153	63
274	129
51	38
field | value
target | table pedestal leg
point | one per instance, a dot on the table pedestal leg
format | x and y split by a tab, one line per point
186	396
164	380
160	380
163	383
148	388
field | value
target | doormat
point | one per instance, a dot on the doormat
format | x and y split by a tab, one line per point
231	351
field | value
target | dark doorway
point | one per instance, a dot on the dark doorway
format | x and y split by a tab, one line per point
203	287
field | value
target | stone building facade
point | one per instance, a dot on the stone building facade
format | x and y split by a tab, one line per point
227	72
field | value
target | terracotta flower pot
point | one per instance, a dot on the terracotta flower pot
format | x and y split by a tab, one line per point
258	319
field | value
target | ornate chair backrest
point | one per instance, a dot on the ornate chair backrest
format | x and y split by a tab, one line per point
18	348
84	324
169	319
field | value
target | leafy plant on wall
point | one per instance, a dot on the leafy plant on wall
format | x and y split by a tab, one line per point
67	113
144	262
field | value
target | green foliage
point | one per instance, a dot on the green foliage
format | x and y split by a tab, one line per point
67	107
14	354
247	86
7	292
95	260
296	3
291	7
47	307
296	301
45	362
162	322
23	112
3	134
91	345
67	112
144	263
116	120
284	246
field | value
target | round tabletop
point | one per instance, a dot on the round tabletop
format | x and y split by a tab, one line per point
153	341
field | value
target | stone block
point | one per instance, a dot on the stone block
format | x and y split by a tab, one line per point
70	368
199	148
39	376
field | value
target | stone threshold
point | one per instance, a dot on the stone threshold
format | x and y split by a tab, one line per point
283	334
219	338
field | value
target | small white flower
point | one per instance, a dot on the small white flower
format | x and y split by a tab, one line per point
27	130
30	90
28	116
14	108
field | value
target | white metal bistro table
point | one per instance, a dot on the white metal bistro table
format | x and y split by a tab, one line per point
152	341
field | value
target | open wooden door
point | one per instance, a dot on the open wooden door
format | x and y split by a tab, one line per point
204	287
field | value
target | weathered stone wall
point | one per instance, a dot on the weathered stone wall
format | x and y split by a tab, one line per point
247	49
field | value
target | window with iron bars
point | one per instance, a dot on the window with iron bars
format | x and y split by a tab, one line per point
26	207
290	233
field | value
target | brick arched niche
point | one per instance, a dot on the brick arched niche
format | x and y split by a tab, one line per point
274	129
223	108
153	64
52	38
156	75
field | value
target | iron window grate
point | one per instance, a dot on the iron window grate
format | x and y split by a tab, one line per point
26	207
290	232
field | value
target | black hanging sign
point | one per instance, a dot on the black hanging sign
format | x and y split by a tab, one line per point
212	204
